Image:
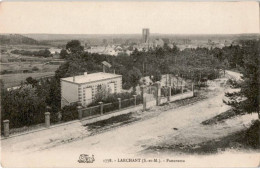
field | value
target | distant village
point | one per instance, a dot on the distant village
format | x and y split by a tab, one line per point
118	47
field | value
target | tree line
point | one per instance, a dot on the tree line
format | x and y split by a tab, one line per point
31	102
41	53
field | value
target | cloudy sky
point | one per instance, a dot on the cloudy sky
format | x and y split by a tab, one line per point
129	17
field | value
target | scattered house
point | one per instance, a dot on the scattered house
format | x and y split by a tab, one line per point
83	88
13	88
55	50
158	43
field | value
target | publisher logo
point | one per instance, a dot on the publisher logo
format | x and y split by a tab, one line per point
85	158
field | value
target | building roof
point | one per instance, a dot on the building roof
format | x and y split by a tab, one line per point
87	78
106	64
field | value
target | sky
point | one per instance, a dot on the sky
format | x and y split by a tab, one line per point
129	17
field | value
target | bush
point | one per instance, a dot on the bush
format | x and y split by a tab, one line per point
164	91
6	72
22	107
44	53
69	113
175	91
233	83
35	68
54	117
252	135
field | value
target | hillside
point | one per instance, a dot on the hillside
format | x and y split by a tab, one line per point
12	39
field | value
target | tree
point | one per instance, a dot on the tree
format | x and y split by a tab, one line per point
251	76
54	96
251	81
74	46
32	81
156	76
22	107
134	75
63	54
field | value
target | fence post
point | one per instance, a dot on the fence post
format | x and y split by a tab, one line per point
80	112
158	96
119	103
6	128
101	107
143	90
169	93
181	89
47	119
144	103
192	89
135	99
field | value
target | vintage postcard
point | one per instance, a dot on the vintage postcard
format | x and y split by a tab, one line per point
130	84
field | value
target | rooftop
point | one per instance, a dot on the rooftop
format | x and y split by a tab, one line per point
86	78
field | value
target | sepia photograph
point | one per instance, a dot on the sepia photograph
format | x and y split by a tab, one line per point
130	84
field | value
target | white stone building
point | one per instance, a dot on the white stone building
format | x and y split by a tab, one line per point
83	88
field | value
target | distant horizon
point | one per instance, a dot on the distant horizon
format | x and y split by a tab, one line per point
62	37
133	33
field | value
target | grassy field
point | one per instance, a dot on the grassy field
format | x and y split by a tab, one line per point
16	68
11	80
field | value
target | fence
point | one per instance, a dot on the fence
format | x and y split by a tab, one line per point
91	111
127	103
150	100
109	107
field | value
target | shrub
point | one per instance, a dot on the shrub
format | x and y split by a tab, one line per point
233	83
54	117
252	135
22	107
175	91
6	72
69	113
44	53
35	68
164	91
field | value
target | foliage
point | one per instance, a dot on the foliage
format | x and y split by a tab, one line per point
63	54
22	107
101	94
233	83
27	105
252	135
156	76
35	68
41	53
251	81
69	113
134	75
74	46
30	80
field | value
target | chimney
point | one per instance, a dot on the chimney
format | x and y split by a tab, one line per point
85	73
73	78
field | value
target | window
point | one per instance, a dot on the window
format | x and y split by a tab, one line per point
99	87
